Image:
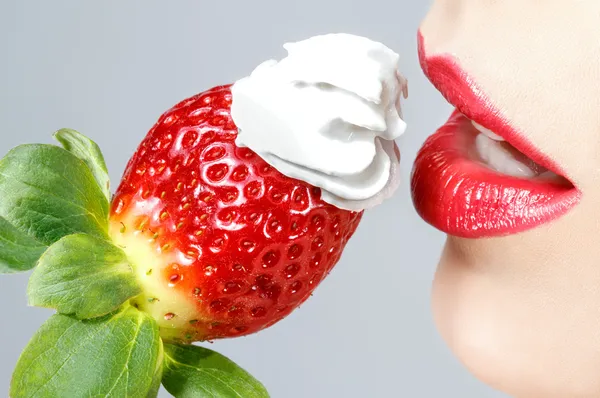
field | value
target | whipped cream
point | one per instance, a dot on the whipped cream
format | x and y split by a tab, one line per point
327	114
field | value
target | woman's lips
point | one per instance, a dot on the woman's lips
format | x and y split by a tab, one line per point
455	191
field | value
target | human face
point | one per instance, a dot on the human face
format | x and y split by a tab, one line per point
517	291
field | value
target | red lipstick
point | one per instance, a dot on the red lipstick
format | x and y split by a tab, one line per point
458	194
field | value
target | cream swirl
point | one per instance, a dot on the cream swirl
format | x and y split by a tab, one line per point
327	114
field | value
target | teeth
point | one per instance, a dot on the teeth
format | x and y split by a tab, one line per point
498	157
549	175
489	133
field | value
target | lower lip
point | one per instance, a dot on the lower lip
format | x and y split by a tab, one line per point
462	197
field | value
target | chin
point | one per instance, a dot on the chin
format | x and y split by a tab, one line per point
529	335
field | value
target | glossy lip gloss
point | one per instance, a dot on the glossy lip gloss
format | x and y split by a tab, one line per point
463	197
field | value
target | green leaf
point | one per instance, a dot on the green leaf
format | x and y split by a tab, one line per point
196	372
114	356
156	380
47	193
88	151
18	251
82	275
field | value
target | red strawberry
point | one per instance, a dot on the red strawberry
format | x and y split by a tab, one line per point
223	244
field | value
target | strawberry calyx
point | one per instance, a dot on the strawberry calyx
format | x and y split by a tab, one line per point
54	220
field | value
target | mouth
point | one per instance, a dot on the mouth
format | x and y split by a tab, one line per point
478	176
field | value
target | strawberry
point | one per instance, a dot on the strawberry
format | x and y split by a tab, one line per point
222	243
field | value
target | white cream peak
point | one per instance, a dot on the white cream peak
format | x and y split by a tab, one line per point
327	114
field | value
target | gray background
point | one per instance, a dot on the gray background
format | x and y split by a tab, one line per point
110	68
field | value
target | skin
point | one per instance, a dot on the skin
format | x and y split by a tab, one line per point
522	312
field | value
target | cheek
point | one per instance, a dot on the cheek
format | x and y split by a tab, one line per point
529	334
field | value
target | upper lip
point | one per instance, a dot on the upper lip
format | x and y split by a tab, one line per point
461	91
